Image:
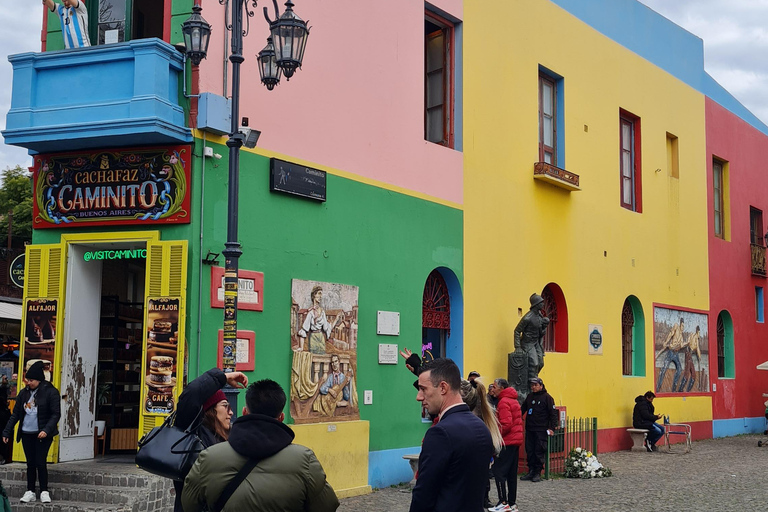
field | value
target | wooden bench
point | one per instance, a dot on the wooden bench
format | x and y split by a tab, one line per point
413	460
638	439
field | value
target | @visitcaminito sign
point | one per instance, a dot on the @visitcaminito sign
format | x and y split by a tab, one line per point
17	270
137	186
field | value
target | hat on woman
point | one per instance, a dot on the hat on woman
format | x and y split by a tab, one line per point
36	372
217	397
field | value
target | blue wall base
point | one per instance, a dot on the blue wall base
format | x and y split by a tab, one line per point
387	467
736	426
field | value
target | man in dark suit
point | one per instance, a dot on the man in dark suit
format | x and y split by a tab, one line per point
453	465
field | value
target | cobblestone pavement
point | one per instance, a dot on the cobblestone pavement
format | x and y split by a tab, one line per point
719	474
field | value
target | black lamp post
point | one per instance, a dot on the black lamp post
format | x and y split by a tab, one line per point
285	57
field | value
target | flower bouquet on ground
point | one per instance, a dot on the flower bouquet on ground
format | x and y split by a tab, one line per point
583	464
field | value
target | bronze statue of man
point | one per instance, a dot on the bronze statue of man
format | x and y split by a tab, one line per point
527	360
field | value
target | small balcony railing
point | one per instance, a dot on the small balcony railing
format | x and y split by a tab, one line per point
758	260
556	176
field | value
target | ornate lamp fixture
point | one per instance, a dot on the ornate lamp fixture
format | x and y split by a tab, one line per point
197	33
289	34
269	71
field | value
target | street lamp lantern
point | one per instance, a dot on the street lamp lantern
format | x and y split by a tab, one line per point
197	33
289	34
268	69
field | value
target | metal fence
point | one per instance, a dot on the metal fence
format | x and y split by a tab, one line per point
577	432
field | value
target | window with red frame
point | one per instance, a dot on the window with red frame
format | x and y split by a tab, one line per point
115	21
438	79
629	161
556	335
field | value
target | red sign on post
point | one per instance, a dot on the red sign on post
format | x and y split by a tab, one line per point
112	187
250	293
246	351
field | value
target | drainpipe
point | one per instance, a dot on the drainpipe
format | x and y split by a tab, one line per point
200	262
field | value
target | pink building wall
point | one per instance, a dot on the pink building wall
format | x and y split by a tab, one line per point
357	105
732	286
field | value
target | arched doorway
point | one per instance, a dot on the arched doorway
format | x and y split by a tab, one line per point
435	317
442	312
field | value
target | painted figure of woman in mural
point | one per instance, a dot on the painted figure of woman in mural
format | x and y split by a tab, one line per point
316	326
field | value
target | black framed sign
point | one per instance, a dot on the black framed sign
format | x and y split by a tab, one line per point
297	180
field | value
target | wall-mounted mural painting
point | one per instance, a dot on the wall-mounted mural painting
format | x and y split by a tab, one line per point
681	343
324	344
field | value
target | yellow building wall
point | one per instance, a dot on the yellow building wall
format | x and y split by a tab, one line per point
521	234
342	449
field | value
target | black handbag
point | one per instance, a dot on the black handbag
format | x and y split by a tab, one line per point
169	451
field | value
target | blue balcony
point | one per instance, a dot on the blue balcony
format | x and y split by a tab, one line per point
124	94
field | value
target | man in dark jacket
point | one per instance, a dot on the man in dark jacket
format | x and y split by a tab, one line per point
644	416
287	478
455	453
541	418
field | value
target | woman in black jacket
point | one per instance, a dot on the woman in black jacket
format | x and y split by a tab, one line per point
203	403
38	409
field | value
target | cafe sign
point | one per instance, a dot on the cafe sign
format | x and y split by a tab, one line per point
139	186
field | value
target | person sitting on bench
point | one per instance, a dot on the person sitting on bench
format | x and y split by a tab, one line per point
644	416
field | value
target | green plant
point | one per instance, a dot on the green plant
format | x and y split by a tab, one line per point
103	391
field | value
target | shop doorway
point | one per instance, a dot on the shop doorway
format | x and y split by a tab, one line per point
101	353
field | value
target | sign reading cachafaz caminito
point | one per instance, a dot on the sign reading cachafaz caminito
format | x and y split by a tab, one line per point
140	186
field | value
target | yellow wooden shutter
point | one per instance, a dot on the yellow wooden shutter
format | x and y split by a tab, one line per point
166	277
44	278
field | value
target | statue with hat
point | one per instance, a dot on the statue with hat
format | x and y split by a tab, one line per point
526	362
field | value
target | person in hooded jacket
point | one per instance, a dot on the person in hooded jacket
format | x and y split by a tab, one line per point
540	423
644	416
505	465
287	478
38	409
204	403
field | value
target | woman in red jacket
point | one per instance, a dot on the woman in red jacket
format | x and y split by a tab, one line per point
505	465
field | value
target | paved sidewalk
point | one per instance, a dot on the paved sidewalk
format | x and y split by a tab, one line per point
719	474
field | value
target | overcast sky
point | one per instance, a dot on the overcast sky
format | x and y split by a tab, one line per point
735	34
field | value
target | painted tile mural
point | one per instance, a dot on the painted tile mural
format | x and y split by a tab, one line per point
681	341
324	345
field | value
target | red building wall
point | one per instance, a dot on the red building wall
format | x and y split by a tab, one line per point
732	285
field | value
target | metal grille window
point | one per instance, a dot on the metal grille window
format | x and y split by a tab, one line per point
720	347
436	305
550	309
627	324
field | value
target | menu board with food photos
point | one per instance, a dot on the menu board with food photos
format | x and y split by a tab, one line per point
162	355
39	335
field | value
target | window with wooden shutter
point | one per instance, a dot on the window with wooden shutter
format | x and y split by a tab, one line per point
166	277
44	279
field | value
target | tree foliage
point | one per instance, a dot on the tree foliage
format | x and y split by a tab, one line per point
16	196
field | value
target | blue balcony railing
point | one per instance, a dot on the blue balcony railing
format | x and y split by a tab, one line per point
124	94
